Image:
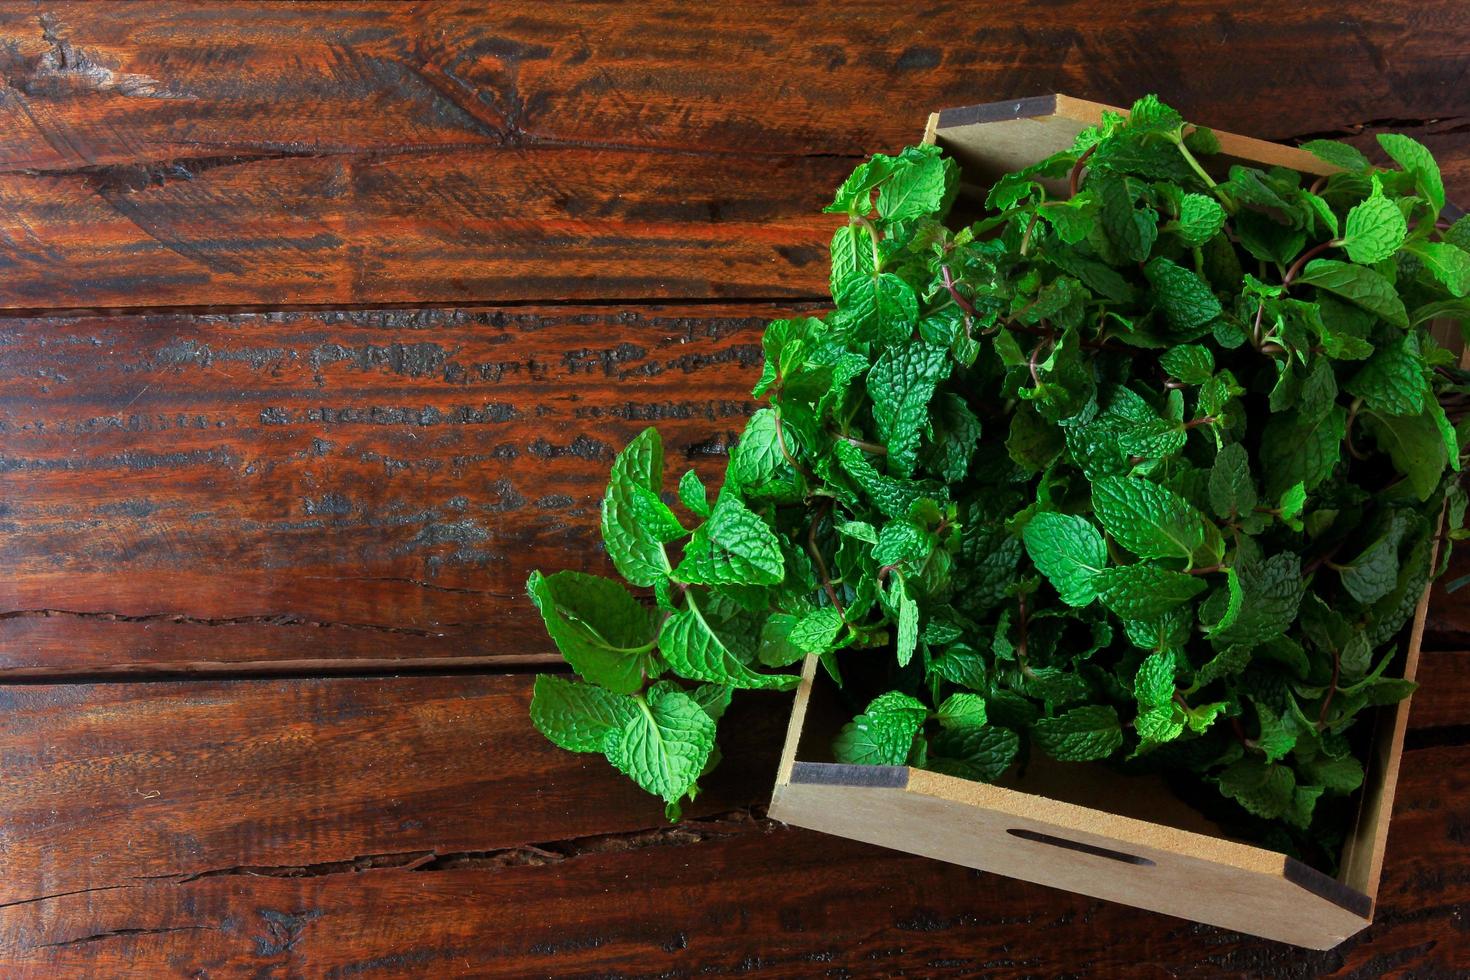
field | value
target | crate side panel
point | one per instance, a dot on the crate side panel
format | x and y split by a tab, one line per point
1020	846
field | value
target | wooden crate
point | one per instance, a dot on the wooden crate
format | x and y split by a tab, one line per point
1079	827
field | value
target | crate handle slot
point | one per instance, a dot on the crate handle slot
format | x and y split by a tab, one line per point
1072	845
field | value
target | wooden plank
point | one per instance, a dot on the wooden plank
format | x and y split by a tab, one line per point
298	489
273	154
105	783
451	226
1448	626
346	828
133	83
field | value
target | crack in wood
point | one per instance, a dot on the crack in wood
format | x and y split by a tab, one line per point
1436	126
746	820
275	619
118	933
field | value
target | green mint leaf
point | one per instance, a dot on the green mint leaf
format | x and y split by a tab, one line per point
1357	284
1264	789
733	547
1394	380
1069	551
901	386
1079	735
664	745
1153	684
1375	229
1232	490
635	523
1410	154
1415	445
884	734
695	650
1184	298
922	183
1149	520
1190	363
1143	591
962	711
1271	593
602	631
1375	571
892	497
775	647
855	196
981	753
1340	155
1033	442
693	495
1200	219
1448	263
1131	231
1151	116
816	632
1295	449
906	632
758	463
577	716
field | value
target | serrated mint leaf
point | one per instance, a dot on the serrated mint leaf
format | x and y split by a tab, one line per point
1264	789
1357	284
693	495
577	716
1184	298
1412	155
633	526
962	711
855	196
1149	520
920	184
776	648
1414	444
1149	115
1200	219
891	496
1232	490
1144	591
1153	684
1297	450
1271	592
883	734
906	634
902	540
1190	363
664	745
696	650
1033	442
901	386
1375	229
817	631
1393	381
1079	735
981	753
1335	775
1447	263
758	462
1132	231
1069	551
1341	155
713	698
601	630
733	547
1373	573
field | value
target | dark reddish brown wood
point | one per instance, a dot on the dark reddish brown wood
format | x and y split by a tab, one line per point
106	783
1443	697
391	827
273	154
307	488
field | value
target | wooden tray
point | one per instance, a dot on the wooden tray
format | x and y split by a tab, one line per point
1070	826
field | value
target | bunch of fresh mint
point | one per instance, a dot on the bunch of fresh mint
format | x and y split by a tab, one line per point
1143	465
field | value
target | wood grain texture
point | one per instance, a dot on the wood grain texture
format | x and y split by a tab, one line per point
401	826
302	488
270	154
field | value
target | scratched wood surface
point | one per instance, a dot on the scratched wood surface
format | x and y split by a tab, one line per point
320	325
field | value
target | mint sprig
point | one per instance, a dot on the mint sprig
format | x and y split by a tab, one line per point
1142	466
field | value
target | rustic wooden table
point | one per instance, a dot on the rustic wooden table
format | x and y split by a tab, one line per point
321	326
